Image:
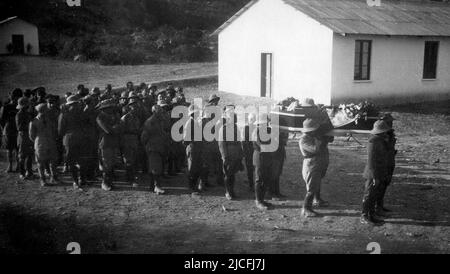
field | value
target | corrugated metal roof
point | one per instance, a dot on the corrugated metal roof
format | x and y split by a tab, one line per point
8	19
393	17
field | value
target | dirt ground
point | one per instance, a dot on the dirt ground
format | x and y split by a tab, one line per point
45	220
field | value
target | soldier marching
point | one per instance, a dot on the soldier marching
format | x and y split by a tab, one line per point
97	133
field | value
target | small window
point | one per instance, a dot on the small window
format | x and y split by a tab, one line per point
363	51
430	60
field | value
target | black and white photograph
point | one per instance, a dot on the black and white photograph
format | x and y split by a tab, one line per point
228	129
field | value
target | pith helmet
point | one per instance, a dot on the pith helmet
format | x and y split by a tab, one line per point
380	127
110	103
72	100
23	102
308	102
310	125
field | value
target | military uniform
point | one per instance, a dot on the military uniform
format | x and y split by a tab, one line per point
109	141
71	127
154	138
194	151
315	163
26	151
131	127
43	136
376	171
231	153
263	163
8	123
247	149
90	134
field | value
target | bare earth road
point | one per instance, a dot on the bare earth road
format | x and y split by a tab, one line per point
130	221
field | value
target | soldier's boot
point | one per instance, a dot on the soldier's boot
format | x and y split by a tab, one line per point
152	181
106	181
259	193
66	168
22	171
131	178
319	202
229	193
29	168
158	190
307	210
41	170
10	162
380	209
251	181
75	177
53	175
276	194
367	216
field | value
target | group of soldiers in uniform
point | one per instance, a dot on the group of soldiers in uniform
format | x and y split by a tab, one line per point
93	131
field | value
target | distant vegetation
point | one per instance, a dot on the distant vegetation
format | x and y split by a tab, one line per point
127	32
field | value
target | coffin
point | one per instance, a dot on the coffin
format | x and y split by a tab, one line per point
293	120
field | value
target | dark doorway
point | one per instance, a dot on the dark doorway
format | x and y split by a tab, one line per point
266	75
18	44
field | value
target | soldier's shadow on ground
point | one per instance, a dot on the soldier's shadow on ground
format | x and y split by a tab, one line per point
420	199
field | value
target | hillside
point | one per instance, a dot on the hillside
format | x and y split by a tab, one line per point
126	31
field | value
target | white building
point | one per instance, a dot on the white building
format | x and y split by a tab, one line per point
337	50
18	37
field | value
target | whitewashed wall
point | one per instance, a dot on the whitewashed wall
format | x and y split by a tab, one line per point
396	70
301	50
18	26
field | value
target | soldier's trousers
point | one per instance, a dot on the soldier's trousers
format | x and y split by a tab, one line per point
212	164
26	153
263	176
130	154
194	164
248	157
108	156
42	165
371	193
277	169
230	169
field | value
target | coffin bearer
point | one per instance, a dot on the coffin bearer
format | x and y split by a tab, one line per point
108	121
43	136
376	172
8	123
314	162
26	152
325	126
392	152
131	127
154	138
194	148
71	126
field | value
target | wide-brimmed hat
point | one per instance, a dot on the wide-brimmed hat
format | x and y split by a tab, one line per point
23	102
96	91
308	102
72	100
132	95
380	127
41	108
110	103
310	125
133	100
213	98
